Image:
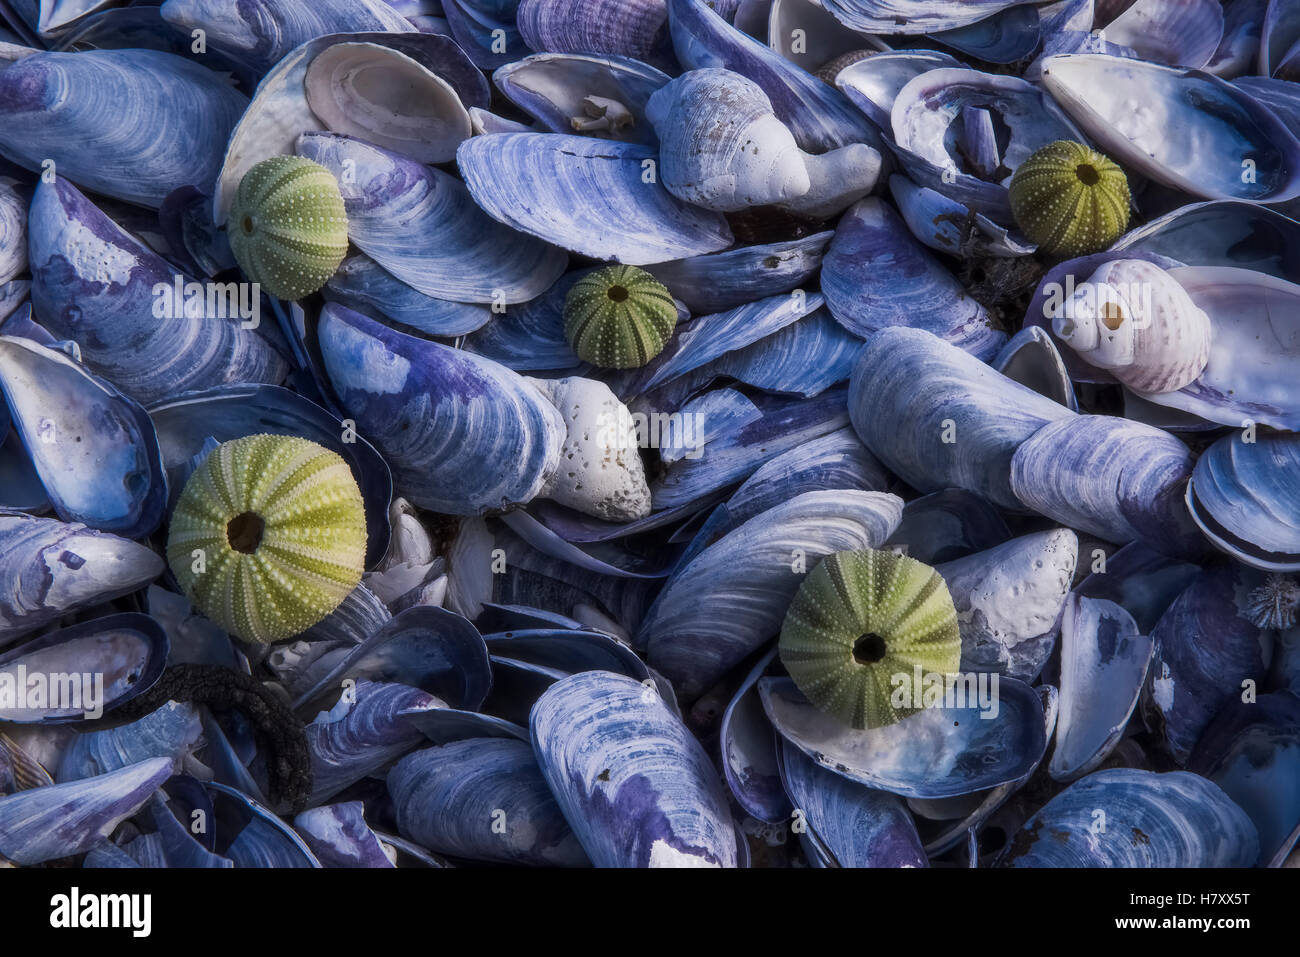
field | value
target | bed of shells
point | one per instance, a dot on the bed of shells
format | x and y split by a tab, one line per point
769	433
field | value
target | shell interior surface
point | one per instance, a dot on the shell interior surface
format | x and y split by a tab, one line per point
268	536
1070	199
860	618
619	317
288	228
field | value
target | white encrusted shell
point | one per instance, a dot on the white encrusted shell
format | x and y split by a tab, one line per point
600	471
721	146
1133	318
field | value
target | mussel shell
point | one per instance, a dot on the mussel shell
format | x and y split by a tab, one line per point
94	449
836	461
1252	751
1206	650
944	526
158	121
876	275
123	654
859	826
873	83
1104	664
913	16
937	752
260	35
720	281
463	435
749	751
819	116
589	196
421	225
483	800
630	28
635	785
425	647
49	568
553	87
1168	124
94	283
785	424
45	824
339	836
909	384
1116	479
170	731
364	733
1128	818
280	112
235	411
250	835
1243	496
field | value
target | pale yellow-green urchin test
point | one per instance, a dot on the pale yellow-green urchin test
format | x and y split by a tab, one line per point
287	228
619	317
859	619
268	536
1070	199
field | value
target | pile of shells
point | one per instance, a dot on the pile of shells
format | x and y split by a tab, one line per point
650	433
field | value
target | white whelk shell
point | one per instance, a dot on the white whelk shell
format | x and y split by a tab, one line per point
722	147
600	471
1133	318
386	98
838	179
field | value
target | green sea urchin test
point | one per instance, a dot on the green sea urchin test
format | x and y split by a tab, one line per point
1070	199
619	317
859	619
268	536
287	228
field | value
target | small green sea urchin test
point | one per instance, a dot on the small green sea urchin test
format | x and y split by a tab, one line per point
1070	199
287	228
859	619
619	317
268	536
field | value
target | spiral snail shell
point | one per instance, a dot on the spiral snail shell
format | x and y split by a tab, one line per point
721	146
1133	318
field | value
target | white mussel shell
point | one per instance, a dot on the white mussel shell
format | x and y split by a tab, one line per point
1133	318
386	98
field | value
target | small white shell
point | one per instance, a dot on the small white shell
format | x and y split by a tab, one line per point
600	470
1133	318
721	146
